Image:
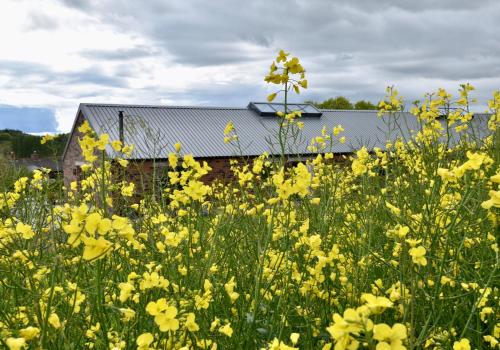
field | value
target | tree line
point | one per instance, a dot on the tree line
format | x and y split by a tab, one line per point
21	145
341	102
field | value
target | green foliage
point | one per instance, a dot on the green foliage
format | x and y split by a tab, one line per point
9	174
5	136
341	102
24	145
367	105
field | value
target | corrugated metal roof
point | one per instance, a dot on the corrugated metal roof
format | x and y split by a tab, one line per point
155	129
361	128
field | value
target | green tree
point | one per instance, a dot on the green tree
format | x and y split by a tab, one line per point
362	104
24	145
339	102
5	136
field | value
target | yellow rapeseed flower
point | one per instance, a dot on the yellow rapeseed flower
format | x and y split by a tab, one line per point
282	55
226	330
25	230
15	343
116	145
95	223
494	200
95	248
166	320
47	138
144	340
54	320
102	142
85	127
390	338
191	324
418	255
128	190
126	289
29	333
463	344
229	127
155	308
375	304
271	97
128	314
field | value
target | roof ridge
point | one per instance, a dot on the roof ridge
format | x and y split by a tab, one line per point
348	110
158	106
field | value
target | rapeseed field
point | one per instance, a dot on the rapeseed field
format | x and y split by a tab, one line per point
391	249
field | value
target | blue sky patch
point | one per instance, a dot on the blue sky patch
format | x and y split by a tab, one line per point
27	119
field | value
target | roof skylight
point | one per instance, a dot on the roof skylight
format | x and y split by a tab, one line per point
265	109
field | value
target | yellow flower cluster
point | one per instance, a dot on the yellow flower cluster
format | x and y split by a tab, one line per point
392	102
355	325
229	133
47	138
282	71
326	141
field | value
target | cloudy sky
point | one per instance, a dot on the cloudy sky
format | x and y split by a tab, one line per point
55	54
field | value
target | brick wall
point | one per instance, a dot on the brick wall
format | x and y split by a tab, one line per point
73	156
141	172
221	169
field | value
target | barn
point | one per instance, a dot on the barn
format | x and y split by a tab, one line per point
154	129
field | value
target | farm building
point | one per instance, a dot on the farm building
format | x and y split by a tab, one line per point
35	163
153	130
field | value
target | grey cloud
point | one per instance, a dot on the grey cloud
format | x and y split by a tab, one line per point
210	54
79	4
93	76
233	95
120	54
352	48
418	6
19	70
211	33
257	39
452	69
41	21
198	33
